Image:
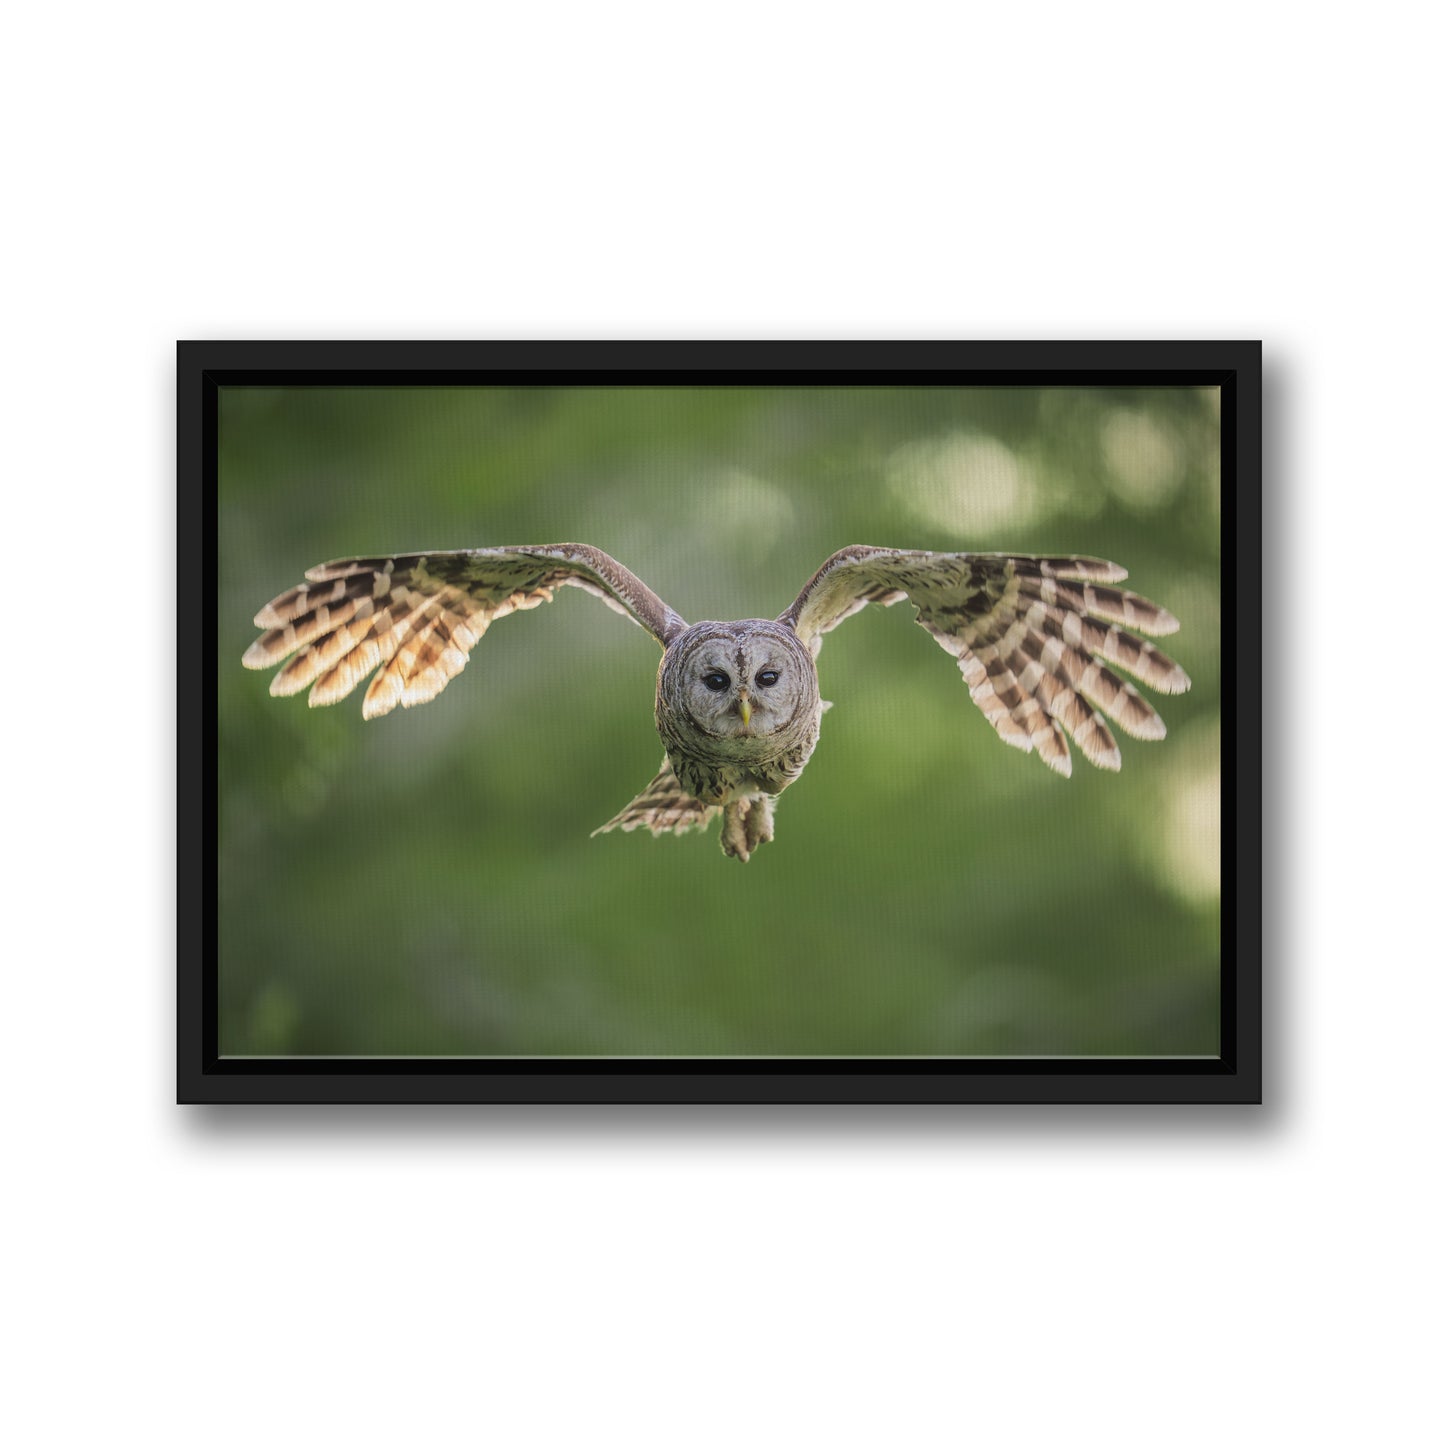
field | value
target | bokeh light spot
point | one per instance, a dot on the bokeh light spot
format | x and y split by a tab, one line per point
968	484
1144	458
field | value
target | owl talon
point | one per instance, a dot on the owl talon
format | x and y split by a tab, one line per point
747	824
735	832
759	823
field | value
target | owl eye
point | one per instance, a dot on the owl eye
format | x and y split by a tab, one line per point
767	677
715	681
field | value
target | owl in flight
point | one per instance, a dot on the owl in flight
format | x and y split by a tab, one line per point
737	702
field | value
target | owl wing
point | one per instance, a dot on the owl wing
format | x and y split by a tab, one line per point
417	616
663	806
1031	635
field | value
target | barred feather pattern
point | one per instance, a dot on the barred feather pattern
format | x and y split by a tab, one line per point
663	806
414	619
1033	637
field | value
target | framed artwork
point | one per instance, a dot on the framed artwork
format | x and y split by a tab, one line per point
571	816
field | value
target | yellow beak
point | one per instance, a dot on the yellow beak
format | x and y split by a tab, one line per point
745	709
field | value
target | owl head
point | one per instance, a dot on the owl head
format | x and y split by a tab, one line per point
750	681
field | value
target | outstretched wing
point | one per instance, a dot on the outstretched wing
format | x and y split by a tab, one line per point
1031	635
417	616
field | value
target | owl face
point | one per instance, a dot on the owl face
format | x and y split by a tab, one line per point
750	680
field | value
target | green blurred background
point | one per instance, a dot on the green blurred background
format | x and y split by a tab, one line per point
424	884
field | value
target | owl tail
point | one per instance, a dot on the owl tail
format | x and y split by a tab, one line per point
662	807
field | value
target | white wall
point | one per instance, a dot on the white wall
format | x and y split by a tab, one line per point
1126	170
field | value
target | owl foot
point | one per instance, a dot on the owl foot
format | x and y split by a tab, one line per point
747	824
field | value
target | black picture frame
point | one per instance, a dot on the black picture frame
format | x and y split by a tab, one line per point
1235	1076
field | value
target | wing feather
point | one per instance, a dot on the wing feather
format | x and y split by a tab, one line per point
1032	636
663	806
413	619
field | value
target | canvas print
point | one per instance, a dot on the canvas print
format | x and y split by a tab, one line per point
580	721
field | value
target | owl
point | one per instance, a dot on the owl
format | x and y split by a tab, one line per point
737	703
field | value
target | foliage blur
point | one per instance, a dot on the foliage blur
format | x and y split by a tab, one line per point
425	884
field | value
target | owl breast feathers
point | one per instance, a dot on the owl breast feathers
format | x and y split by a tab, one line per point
1037	639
